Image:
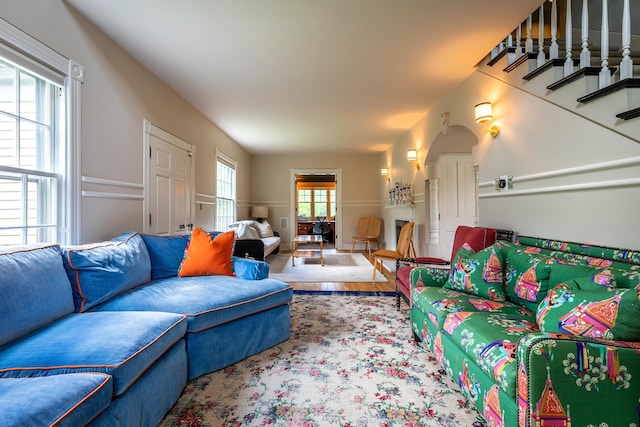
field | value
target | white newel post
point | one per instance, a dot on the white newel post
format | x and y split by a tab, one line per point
434	220
541	55
585	55
626	65
553	48
529	43
605	74
568	63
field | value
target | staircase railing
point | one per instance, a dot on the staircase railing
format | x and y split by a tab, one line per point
623	70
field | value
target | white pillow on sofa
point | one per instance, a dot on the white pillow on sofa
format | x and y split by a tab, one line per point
245	230
241	222
264	229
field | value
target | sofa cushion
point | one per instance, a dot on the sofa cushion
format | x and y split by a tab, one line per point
527	276
582	307
35	290
102	270
477	273
437	303
208	301
207	256
270	244
60	400
489	340
121	344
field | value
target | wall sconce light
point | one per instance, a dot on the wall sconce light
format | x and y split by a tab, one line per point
484	114
385	172
412	156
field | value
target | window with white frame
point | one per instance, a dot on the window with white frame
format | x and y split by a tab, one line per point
317	199
39	104
29	177
225	192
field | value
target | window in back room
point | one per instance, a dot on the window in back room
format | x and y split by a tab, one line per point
316	205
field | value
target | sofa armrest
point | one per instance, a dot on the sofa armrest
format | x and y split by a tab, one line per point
249	248
428	276
585	375
250	269
423	261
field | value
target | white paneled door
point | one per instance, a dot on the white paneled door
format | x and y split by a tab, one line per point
457	197
169	182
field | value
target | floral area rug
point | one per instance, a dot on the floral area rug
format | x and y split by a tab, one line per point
350	361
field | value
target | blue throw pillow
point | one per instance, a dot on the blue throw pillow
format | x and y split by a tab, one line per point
101	271
166	253
250	269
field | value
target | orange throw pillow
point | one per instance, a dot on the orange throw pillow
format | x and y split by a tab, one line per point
206	256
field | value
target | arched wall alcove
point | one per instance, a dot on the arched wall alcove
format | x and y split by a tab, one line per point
457	139
454	140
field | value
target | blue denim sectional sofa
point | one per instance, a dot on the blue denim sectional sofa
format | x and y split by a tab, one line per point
107	334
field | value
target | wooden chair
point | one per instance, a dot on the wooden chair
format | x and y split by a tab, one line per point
404	249
368	231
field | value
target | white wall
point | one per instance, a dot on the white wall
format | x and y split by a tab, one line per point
536	137
117	95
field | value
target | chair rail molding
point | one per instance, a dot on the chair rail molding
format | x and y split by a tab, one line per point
630	182
597	184
110	182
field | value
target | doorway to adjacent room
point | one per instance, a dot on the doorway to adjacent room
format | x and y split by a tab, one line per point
316	200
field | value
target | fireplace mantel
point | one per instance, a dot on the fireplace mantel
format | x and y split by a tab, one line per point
402	212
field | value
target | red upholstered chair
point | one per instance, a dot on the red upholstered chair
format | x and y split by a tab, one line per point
477	237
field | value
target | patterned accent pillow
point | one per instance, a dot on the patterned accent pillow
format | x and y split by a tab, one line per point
561	273
425	276
584	308
477	273
207	256
527	281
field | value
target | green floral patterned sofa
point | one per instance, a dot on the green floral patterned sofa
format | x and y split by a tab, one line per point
537	332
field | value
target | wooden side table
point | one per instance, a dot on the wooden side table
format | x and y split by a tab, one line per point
306	253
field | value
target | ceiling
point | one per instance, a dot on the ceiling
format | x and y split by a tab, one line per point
308	76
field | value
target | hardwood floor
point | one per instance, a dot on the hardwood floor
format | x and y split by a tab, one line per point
388	286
